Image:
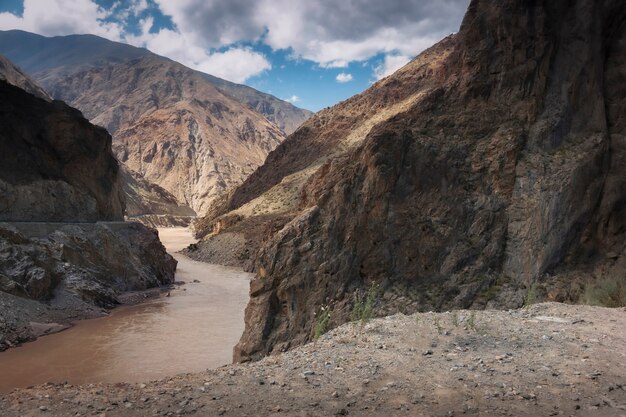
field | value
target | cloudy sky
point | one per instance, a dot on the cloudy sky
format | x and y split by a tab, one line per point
313	53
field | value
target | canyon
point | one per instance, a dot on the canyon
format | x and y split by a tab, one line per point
424	247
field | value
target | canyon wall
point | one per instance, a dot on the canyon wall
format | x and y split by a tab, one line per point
498	173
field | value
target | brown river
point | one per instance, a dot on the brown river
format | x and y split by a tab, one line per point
192	330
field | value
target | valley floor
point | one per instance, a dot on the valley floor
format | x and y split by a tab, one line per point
547	360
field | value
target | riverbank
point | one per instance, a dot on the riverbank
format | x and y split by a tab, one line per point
549	360
52	274
192	329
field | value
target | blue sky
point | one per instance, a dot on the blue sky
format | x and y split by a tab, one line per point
312	53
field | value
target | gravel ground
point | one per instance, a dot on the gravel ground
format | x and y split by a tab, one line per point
228	249
548	360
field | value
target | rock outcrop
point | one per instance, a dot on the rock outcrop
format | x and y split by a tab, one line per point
74	271
57	168
54	164
487	171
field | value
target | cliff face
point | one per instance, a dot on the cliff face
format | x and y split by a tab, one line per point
54	165
499	172
144	197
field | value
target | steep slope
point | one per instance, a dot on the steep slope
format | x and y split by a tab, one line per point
54	164
285	115
489	171
14	76
172	127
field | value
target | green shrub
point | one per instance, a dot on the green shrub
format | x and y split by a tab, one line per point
322	320
363	309
471	323
532	295
607	292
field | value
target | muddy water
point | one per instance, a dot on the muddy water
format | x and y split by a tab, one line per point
192	330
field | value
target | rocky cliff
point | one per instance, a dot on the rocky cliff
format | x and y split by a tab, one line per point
487	172
54	164
151	204
73	272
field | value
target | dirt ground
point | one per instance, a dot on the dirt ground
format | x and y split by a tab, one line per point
547	360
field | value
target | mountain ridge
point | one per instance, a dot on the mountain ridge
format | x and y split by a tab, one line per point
171	124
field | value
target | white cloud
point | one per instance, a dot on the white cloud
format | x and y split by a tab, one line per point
293	99
236	64
390	64
343	77
328	32
62	17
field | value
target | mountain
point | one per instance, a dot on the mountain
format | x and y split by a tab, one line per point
14	76
488	172
49	59
183	130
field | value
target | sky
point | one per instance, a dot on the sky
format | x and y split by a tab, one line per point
313	53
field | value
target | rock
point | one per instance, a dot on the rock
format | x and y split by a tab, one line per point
59	168
508	171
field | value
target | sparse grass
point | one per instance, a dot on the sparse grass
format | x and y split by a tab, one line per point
455	318
437	324
321	322
606	292
532	294
471	322
363	309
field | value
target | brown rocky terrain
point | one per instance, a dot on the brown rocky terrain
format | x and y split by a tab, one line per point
547	360
485	172
54	164
146	202
172	126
